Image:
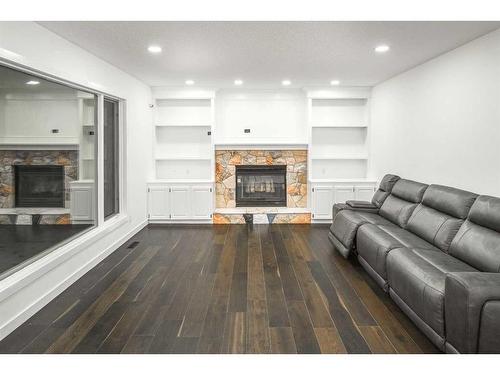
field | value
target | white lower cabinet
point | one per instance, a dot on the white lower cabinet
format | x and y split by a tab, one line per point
325	195
158	203
364	193
322	201
343	193
180	202
201	198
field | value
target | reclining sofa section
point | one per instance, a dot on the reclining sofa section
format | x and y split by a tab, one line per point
436	251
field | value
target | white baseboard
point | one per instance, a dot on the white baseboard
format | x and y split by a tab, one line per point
37	305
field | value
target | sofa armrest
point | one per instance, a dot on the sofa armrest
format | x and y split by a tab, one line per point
466	296
361	205
337	207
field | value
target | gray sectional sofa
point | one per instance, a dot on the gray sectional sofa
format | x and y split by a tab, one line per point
436	251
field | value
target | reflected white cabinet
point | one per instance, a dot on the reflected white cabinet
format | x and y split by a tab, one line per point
186	202
159	202
322	201
82	204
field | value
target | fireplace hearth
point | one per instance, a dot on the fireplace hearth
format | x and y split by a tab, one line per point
261	186
39	185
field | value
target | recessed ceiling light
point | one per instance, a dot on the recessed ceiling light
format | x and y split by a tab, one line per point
286	82
238	82
189	82
335	82
382	48
154	49
33	83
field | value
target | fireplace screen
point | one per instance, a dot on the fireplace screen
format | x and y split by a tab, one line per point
260	185
39	185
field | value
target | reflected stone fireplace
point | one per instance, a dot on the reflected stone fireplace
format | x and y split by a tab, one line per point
261	185
39	185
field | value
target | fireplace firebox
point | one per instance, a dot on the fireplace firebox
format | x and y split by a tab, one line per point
261	185
39	185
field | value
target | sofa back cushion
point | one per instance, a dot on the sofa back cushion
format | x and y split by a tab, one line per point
440	215
404	197
384	189
478	240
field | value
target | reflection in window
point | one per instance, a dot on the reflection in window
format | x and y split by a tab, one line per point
111	197
47	166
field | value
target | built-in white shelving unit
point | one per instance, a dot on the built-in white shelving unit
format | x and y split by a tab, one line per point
183	138
338	123
184	157
88	138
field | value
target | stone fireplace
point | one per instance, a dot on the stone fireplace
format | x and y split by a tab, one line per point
232	165
261	185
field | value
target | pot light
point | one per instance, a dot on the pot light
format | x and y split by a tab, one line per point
154	49
335	82
286	82
238	82
382	48
33	83
189	82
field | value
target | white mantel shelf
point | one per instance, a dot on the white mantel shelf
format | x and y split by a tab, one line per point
261	146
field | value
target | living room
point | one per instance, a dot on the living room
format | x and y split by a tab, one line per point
250	187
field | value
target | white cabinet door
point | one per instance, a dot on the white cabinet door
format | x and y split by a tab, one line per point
343	193
201	202
180	207
82	202
322	202
364	193
158	202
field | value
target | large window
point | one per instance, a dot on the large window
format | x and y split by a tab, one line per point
48	165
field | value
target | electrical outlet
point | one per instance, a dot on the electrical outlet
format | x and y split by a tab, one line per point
55	131
247	131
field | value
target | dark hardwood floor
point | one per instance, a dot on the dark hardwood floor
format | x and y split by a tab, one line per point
222	289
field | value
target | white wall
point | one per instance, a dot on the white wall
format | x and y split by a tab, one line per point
31	45
273	116
440	122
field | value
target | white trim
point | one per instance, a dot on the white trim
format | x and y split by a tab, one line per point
29	311
173	221
261	146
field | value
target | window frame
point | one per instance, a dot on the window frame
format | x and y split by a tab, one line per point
101	226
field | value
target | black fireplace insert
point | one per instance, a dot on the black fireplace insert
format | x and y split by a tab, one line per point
261	185
39	185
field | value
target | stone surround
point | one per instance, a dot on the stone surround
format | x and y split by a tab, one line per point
225	173
8	158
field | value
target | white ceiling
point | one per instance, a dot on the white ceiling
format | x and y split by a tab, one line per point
264	53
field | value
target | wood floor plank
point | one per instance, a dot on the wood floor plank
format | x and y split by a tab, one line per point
377	340
276	306
138	345
330	341
303	332
351	337
257	327
165	337
235	333
74	334
282	340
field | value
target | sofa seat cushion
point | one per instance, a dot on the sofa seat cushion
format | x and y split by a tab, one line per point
373	245
417	276
346	223
406	238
